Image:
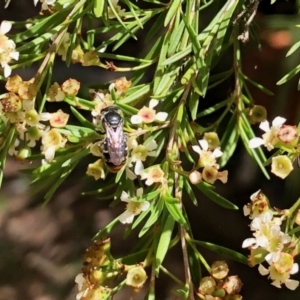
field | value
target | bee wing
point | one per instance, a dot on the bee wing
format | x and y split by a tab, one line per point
115	144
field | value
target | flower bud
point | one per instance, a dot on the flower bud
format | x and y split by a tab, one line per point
23	153
207	285
233	285
288	135
257	114
11	104
219	269
195	177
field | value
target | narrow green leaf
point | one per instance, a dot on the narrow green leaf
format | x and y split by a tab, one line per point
172	11
212	195
142	90
98	8
293	49
172	204
289	75
175	38
146	197
156	210
259	86
164	242
81	118
190	192
107	229
231	254
193	102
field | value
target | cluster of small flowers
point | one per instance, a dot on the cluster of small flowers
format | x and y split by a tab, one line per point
138	153
7	48
208	151
89	58
18	108
279	136
270	243
99	268
219	286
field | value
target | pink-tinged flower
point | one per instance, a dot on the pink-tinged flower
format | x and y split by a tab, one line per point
58	119
281	270
7	48
148	114
269	138
139	154
258	205
210	174
133	208
55	93
153	175
206	157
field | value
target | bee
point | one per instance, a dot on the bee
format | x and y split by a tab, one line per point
114	146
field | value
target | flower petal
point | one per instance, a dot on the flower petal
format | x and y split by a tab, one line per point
262	270
203	144
139	167
126	217
278	121
151	145
144	205
295	268
161	116
129	174
5	27
265	126
7	70
248	242
291	284
139	192
124	197
217	153
135	119
197	149
153	103
256	142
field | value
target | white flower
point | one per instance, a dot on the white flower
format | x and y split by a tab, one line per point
133	208
207	158
139	154
153	175
281	270
45	3
148	114
7	48
269	138
82	286
118	9
267	235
